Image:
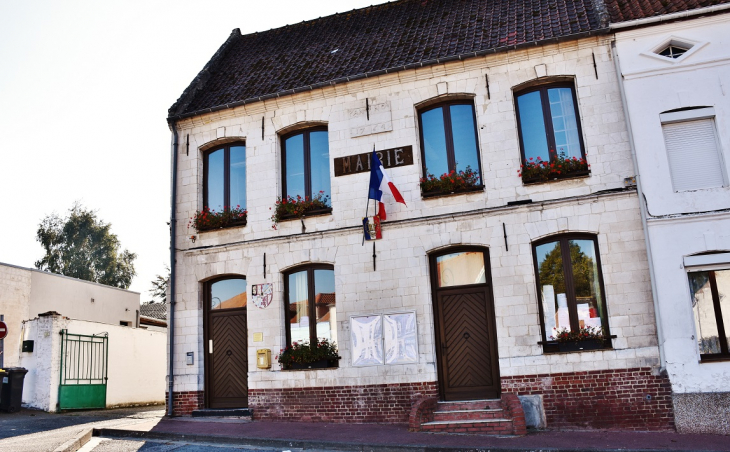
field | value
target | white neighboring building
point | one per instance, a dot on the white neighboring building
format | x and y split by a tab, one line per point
676	80
37	306
27	292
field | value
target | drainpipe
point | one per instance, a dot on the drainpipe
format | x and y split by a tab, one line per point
171	324
642	208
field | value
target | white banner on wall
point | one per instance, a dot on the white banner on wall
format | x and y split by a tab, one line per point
384	339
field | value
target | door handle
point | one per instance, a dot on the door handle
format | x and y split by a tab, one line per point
443	346
210	346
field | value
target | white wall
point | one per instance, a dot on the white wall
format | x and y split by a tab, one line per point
677	225
14	295
72	297
136	362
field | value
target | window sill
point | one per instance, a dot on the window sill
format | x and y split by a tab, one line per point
713	358
576	175
551	347
309	213
235	224
440	194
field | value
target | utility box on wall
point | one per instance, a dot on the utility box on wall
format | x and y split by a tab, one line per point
263	358
27	346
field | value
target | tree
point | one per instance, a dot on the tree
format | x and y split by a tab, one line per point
551	270
82	246
159	287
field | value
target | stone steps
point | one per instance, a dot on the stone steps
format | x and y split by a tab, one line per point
499	417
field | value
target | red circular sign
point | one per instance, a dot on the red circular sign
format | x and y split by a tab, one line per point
3	330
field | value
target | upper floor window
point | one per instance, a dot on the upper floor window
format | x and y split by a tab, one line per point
711	307
549	131
306	163
309	294
693	151
449	145
570	285
224	177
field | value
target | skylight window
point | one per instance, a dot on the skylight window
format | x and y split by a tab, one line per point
673	51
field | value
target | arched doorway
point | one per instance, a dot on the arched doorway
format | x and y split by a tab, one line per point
226	343
466	337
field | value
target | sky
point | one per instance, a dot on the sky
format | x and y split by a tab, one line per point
84	92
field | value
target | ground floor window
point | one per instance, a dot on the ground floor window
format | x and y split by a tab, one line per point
310	304
710	292
570	286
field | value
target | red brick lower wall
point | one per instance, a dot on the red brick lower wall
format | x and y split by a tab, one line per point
183	403
601	399
386	403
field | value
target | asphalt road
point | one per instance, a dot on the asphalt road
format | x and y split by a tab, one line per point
38	431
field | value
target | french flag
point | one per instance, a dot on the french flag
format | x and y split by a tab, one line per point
378	183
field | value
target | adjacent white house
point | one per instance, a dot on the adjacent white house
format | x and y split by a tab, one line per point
80	341
675	76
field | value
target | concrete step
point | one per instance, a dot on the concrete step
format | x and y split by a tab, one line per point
461	405
484	427
463	415
224	413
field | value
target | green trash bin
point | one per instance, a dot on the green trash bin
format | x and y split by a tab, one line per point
11	394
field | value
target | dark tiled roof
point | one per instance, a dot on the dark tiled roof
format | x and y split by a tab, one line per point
154	310
624	10
391	36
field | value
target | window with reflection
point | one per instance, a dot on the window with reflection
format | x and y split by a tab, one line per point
311	311
570	285
548	124
710	291
227	293
224	174
306	163
460	269
449	139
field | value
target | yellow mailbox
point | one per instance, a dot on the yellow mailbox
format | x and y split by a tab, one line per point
263	358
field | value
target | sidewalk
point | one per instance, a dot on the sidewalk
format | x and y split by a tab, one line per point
382	437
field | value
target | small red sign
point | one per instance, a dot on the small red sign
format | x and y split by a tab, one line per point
3	330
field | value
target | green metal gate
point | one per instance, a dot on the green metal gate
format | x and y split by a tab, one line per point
84	367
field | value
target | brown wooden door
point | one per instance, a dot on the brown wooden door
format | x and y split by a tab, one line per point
228	382
466	338
226	345
468	362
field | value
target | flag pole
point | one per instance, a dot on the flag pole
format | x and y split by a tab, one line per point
367	203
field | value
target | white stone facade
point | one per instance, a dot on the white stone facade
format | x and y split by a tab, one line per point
401	281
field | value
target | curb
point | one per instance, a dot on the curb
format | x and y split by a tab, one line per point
355	447
76	443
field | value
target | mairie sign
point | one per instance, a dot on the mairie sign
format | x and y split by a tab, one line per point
360	163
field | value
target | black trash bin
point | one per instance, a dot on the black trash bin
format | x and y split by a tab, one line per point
11	393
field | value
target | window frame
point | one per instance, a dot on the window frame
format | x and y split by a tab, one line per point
724	354
449	136
307	159
311	296
226	172
545	103
569	284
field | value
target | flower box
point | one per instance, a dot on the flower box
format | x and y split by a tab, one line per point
321	364
451	183
291	208
559	167
301	355
208	219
